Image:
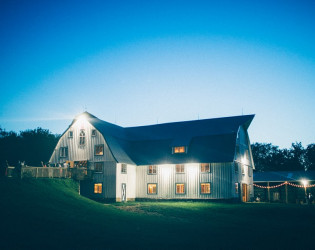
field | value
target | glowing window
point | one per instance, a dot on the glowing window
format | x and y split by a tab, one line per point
205	188
180	188
63	152
205	167
70	134
152	188
82	137
93	132
98	167
180	168
98	188
124	168
179	150
152	169
99	150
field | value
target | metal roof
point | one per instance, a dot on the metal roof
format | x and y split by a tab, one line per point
281	176
207	140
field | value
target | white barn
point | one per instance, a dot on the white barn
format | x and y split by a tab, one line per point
201	159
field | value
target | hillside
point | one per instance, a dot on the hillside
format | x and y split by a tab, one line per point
49	213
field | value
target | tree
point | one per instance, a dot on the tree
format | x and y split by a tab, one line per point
310	157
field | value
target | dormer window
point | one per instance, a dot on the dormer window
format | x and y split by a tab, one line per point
179	150
82	137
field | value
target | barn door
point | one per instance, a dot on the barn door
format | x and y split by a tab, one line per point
244	193
123	192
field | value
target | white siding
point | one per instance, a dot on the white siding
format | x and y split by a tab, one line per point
219	177
129	179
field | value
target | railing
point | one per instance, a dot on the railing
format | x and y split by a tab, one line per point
55	172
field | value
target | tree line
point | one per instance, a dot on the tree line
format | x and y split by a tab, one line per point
36	146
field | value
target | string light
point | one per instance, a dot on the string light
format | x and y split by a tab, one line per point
284	183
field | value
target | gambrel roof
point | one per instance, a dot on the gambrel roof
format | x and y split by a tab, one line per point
207	140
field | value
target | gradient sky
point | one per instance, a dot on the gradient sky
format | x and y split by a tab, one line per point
142	62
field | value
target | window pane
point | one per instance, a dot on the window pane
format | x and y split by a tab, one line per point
152	188
99	150
180	168
98	166
152	169
180	188
98	188
123	168
82	137
205	188
205	167
177	150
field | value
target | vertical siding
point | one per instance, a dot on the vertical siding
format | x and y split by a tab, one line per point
129	178
220	179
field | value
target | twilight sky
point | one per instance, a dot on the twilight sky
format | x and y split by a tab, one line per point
142	62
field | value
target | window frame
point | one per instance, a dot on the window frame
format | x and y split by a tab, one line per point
102	164
237	188
174	149
154	167
236	167
82	137
96	191
63	152
156	188
201	187
181	165
93	133
180	183
204	172
99	145
70	134
121	168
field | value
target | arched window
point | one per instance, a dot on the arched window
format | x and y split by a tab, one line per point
82	137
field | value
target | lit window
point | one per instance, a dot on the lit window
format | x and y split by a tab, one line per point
98	167
98	188
180	168
82	137
205	167
179	150
205	188
236	187
152	188
63	152
99	150
152	169
93	132
124	168
70	134
180	188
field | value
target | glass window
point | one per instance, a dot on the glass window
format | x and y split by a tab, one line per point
179	150
98	188
82	137
152	169
205	188
236	167
243	169
249	171
99	150
98	167
63	152
205	167
152	188
180	168
70	134
236	187
124	168
93	132
180	188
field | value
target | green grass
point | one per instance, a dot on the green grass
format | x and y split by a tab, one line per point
49	213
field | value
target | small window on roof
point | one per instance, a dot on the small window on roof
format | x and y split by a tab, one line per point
179	150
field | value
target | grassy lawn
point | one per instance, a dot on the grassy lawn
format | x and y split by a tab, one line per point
39	214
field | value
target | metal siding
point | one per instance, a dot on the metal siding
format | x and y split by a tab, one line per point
220	178
129	178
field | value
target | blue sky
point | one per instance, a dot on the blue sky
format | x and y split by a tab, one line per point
142	62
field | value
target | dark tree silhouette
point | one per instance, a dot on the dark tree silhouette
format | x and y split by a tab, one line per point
310	157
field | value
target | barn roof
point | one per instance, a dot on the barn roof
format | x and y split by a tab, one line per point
208	140
281	176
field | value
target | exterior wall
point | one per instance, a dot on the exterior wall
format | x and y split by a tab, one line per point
129	179
220	179
244	165
77	152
